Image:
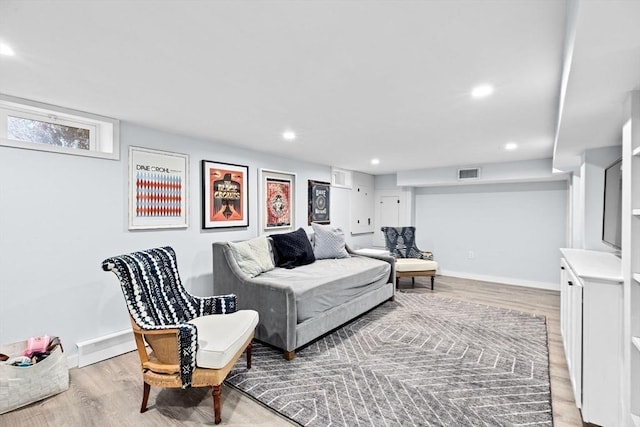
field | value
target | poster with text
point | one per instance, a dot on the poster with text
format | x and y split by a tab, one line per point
157	189
224	195
319	206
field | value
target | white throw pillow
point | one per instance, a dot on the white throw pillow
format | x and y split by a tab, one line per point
328	242
253	256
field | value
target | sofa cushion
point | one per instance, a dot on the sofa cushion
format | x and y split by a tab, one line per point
328	283
220	336
293	249
328	242
253	256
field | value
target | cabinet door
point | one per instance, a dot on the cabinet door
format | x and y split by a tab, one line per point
362	209
602	350
574	333
564	296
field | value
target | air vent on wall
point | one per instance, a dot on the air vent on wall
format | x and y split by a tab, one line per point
471	173
341	178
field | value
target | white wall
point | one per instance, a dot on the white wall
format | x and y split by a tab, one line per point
576	211
592	180
386	182
61	215
587	198
514	231
490	173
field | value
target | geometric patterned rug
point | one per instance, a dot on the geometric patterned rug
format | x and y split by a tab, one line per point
420	360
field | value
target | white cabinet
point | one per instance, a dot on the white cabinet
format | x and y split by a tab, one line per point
631	259
591	324
362	203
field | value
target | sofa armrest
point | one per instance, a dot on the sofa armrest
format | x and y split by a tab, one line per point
387	258
275	302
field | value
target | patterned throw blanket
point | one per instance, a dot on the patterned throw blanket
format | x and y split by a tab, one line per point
157	300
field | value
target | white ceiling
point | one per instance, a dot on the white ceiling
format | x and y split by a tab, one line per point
354	79
605	67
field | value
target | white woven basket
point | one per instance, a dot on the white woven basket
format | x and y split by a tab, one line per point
21	386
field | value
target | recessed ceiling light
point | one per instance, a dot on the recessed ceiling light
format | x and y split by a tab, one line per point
510	146
375	161
6	50
288	135
481	91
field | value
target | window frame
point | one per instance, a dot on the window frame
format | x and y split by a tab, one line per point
104	132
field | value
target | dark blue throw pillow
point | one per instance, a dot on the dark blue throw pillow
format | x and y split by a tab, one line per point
293	249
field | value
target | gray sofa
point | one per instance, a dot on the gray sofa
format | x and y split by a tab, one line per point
299	305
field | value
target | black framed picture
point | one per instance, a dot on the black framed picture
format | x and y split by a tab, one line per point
225	199
277	200
319	202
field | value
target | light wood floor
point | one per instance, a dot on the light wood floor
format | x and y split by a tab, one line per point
108	393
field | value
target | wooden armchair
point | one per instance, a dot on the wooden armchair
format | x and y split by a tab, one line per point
194	341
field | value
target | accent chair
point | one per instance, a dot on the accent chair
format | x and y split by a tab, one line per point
195	341
410	261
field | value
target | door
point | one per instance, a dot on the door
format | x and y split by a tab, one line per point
389	214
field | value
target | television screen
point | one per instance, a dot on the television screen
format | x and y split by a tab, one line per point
612	215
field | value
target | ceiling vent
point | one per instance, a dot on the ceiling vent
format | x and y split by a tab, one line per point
471	173
341	178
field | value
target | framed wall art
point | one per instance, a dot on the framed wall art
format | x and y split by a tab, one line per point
277	201
225	195
158	189
319	202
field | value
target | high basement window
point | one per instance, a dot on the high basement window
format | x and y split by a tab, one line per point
36	126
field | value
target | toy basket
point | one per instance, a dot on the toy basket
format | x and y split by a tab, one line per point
20	386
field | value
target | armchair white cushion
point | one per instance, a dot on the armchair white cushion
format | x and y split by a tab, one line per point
215	349
413	264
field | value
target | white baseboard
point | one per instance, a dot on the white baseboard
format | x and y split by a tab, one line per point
103	348
72	361
503	280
